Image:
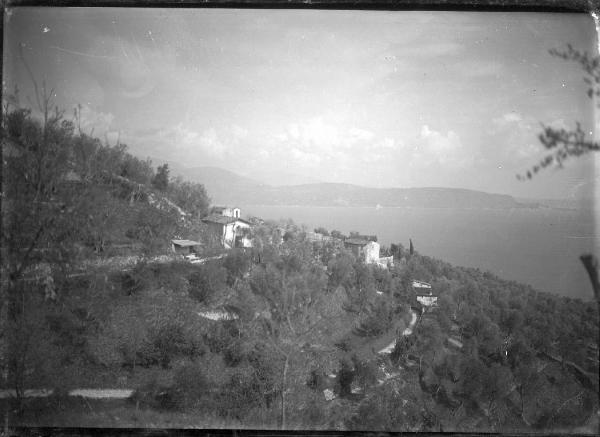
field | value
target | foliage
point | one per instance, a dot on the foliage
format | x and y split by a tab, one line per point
389	408
564	143
377	321
237	263
190	196
341	271
241	394
191	383
161	179
337	234
206	281
66	194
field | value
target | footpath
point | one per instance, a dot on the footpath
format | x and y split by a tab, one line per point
408	331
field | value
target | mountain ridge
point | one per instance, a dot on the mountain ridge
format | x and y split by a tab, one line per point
227	187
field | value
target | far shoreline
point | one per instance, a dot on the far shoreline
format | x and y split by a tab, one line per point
379	207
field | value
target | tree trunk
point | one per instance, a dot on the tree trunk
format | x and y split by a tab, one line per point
522	403
283	388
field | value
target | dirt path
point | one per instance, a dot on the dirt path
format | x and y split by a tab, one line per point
89	393
408	331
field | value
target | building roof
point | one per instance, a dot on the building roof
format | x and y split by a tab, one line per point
223	208
358	241
220	219
223	219
186	243
420	284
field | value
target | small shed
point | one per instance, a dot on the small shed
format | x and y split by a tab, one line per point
185	247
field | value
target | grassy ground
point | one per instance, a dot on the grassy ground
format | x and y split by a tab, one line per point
78	412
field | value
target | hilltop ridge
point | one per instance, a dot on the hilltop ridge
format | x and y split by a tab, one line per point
227	187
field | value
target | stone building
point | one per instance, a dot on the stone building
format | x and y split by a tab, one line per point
363	249
228	228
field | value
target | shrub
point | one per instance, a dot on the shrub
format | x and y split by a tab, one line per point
122	340
220	336
171	275
316	380
156	394
237	264
135	280
267	365
345	378
69	333
365	371
183	387
169	340
377	321
234	352
190	385
240	394
208	279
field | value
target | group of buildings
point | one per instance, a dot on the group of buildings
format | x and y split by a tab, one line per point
230	230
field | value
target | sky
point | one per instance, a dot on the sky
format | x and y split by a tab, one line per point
374	98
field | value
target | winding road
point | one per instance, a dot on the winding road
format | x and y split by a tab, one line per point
408	331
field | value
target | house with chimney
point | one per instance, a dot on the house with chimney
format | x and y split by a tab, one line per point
229	229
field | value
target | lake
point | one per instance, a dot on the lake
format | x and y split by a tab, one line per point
540	247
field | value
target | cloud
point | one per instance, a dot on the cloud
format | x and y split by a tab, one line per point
210	142
509	117
305	159
327	135
239	132
434	49
356	134
516	137
478	68
100	122
316	132
181	140
446	150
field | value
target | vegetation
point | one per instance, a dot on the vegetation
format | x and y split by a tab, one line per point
305	318
563	144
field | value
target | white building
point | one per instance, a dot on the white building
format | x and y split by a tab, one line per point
229	229
424	293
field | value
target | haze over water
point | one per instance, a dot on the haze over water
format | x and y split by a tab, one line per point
540	247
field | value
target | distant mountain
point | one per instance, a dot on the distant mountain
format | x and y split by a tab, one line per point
283	178
223	186
228	188
580	203
330	194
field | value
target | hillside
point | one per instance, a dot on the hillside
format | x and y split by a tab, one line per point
226	187
97	299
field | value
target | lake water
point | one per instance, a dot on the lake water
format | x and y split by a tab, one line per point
540	247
